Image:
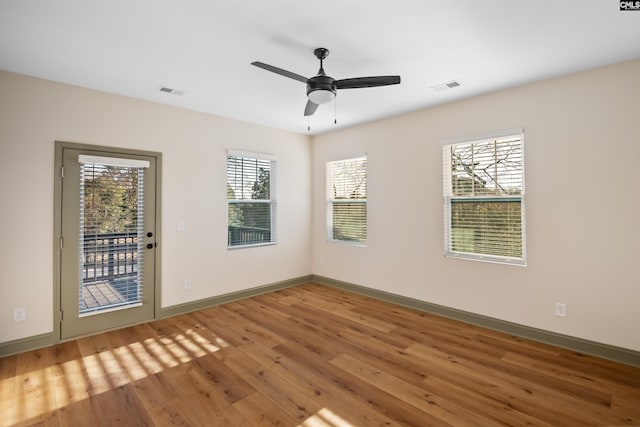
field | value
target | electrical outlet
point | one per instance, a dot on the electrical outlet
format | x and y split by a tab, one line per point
561	309
187	284
19	314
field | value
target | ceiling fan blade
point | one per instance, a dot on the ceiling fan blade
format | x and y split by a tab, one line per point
310	108
280	71
359	82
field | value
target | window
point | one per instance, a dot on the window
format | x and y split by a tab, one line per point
251	199
484	198
347	200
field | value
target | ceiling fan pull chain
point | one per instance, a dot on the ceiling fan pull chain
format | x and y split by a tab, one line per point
308	124
335	110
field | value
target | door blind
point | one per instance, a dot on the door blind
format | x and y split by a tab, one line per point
111	234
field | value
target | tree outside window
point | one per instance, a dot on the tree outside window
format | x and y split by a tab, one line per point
484	199
347	200
251	205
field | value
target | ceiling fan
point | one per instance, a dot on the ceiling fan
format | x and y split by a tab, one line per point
322	88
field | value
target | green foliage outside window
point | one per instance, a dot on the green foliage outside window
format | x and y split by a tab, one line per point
483	200
347	199
250	204
110	199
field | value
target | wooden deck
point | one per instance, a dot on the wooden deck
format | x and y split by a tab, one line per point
108	294
313	356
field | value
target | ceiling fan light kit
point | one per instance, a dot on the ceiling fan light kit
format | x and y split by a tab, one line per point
321	88
321	96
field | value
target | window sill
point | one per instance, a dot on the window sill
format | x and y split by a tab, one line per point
254	245
520	262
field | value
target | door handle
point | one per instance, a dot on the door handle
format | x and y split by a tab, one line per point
149	245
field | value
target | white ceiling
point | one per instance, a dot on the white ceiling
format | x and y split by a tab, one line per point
205	47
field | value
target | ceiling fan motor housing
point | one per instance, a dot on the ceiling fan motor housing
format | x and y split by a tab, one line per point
325	87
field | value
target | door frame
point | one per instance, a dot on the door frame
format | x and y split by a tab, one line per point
57	227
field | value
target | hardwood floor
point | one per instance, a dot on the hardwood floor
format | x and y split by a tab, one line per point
313	356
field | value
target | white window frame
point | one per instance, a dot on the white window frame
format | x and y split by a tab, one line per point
271	201
450	198
331	201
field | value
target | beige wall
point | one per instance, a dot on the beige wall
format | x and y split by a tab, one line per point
582	148
582	145
34	113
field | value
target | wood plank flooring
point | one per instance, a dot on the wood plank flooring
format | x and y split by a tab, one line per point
313	356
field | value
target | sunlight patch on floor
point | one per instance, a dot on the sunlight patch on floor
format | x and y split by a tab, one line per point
325	418
60	384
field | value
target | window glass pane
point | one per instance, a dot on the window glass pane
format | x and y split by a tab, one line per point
349	222
487	168
487	227
249	223
248	178
349	179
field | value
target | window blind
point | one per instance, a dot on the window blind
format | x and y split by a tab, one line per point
347	200
484	199
251	199
111	234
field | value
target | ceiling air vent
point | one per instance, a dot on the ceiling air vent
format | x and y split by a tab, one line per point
171	91
447	85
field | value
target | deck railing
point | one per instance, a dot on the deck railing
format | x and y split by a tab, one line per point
109	256
115	255
248	235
